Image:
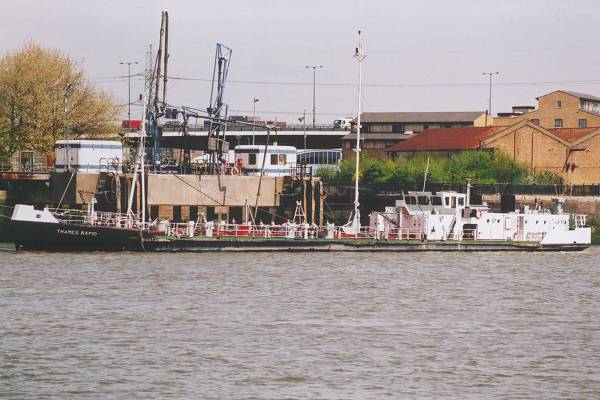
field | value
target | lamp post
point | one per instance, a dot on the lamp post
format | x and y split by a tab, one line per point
490	74
128	63
314	68
254	101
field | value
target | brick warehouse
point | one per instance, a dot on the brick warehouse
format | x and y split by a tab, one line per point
574	153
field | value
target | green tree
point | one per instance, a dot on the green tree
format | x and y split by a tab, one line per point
33	83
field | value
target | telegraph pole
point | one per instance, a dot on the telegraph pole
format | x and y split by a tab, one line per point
254	101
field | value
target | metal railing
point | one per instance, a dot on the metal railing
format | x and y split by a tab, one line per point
233	127
97	218
40	168
286	231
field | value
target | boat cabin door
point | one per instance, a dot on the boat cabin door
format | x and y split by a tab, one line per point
520	227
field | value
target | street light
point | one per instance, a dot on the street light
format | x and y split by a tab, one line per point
128	63
254	101
314	67
490	99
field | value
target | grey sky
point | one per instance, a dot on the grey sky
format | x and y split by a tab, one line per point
427	42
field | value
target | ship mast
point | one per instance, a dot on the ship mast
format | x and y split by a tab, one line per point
359	56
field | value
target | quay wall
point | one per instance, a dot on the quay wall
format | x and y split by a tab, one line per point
213	190
589	205
4	215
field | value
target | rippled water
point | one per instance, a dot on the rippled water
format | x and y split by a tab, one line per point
332	326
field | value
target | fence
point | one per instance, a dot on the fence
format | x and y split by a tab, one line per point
506	188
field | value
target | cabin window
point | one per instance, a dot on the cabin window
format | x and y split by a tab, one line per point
411	200
447	201
453	202
461	201
436	201
282	159
423	200
274	159
251	159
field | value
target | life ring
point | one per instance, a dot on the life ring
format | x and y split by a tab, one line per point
235	171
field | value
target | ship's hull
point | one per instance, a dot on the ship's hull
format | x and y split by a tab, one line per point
346	245
42	236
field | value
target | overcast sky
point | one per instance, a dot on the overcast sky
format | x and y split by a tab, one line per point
423	55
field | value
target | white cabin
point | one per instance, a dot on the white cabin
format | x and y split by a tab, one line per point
88	156
449	216
279	159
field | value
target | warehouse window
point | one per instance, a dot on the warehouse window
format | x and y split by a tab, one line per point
582	123
397	128
558	104
558	123
535	121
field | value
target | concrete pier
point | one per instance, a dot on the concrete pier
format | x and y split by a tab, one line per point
4	215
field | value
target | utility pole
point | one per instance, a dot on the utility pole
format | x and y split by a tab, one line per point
314	68
68	87
254	101
490	74
128	63
303	120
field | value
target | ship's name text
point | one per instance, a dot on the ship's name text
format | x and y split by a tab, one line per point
76	232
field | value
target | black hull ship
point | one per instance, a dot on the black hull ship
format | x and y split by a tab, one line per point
72	230
390	231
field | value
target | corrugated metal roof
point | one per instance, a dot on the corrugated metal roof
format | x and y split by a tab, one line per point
572	134
447	139
418	117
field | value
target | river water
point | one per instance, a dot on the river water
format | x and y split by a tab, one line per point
295	326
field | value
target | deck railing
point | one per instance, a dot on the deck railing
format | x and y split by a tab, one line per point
97	218
39	168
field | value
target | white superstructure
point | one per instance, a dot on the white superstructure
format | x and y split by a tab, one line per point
449	216
88	156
